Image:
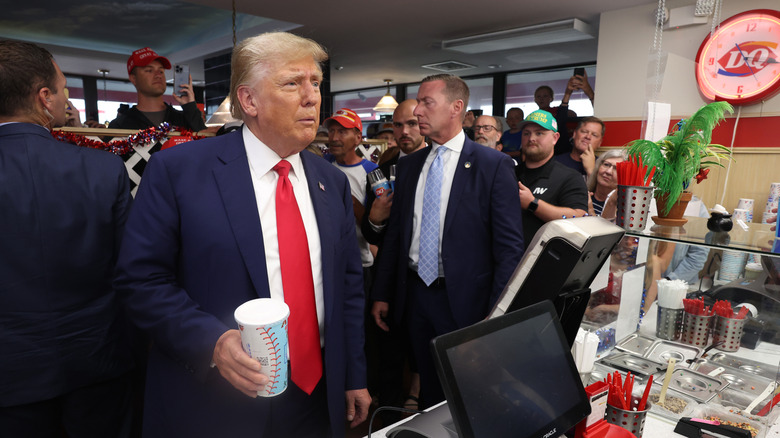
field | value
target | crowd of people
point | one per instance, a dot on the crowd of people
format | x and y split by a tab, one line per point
370	278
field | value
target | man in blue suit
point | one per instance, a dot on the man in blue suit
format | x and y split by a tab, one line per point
203	238
454	236
64	360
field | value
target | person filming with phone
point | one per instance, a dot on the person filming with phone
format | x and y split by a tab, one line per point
146	70
543	96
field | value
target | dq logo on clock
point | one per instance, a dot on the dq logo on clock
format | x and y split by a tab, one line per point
747	58
739	62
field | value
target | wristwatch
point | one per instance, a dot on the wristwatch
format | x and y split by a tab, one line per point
533	205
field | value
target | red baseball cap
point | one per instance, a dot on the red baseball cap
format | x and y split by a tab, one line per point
143	57
346	118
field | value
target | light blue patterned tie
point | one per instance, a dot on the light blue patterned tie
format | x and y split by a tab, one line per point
428	264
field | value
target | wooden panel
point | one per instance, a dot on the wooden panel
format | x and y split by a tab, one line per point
752	172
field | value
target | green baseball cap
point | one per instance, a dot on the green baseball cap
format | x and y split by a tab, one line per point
541	118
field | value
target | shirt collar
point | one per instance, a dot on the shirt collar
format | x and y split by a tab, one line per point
453	144
262	159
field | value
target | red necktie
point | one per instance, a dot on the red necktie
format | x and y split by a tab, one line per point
303	328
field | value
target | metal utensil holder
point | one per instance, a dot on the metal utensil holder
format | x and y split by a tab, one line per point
728	330
633	205
669	323
696	329
631	420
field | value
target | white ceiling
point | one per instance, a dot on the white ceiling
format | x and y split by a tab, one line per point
367	40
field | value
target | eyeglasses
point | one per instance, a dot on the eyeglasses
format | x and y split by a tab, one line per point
608	165
486	128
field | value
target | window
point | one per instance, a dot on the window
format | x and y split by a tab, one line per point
520	89
480	94
76	95
362	102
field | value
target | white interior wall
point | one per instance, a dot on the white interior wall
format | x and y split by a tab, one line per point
624	64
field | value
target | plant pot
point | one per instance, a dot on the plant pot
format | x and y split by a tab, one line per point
674	217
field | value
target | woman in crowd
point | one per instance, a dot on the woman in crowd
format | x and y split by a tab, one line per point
602	184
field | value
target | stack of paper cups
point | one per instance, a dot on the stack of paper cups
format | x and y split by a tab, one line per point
732	265
772	203
744	211
773	199
774	190
741	214
746	204
768	218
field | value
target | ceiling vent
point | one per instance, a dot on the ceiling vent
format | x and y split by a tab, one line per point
529	36
449	66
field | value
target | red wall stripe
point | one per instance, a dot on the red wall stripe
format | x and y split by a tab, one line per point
751	132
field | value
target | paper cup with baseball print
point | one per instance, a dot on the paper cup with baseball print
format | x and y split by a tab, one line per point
772	203
263	326
741	214
774	190
745	203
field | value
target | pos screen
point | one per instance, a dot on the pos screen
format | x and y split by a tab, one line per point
511	376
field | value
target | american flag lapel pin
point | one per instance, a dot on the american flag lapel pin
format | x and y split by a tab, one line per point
322	186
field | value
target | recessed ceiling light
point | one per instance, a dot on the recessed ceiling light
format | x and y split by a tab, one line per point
448	66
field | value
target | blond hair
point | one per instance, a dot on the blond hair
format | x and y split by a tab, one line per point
254	58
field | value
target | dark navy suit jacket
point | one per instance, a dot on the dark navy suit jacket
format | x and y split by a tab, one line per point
62	209
482	241
193	252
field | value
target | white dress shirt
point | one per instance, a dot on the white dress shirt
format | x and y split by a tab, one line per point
450	157
261	162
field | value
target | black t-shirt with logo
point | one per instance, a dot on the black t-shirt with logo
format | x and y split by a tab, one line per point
555	184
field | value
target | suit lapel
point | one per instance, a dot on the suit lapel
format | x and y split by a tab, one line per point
323	210
234	183
463	174
410	188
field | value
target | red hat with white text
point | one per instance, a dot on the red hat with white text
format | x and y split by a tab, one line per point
143	57
346	118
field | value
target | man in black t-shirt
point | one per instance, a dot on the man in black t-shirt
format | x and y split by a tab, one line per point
548	189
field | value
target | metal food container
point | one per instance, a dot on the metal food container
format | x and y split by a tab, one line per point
662	351
746	365
635	343
681	405
636	364
695	385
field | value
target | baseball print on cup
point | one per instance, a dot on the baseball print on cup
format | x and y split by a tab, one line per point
263	326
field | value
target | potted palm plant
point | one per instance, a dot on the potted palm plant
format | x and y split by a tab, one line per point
682	156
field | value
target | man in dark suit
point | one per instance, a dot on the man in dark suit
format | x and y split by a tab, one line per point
203	238
454	235
387	350
64	363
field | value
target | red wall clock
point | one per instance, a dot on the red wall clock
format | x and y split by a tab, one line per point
740	61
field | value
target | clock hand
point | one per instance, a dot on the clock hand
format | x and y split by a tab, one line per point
746	61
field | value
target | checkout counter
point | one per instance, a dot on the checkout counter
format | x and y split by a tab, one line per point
734	379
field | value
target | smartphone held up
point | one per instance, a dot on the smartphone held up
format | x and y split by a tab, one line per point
181	76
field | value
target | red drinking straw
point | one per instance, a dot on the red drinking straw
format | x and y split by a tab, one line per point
643	402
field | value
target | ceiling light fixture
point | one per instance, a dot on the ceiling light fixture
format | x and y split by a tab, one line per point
387	103
103	72
562	31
